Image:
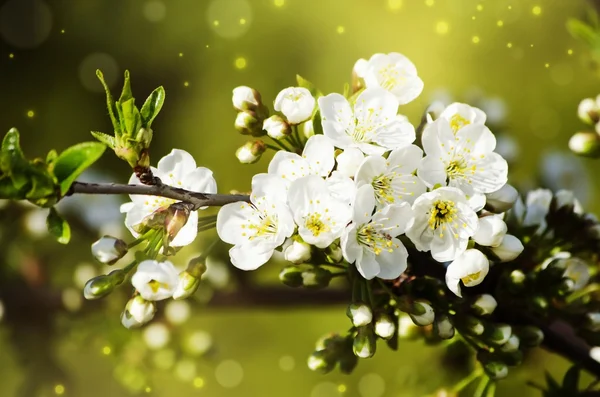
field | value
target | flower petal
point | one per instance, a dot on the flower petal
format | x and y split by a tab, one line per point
188	232
393	264
318	152
363	205
251	255
175	165
367	266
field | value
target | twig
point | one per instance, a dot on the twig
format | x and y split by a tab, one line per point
195	198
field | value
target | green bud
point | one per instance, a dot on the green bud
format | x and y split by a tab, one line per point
585	144
499	334
530	336
316	277
330	342
98	287
496	370
511	345
109	249
333	253
385	326
474	326
484	305
588	111
144	137
443	327
365	343
540	303
422	313
360	314
517	280
592	321
248	123
187	285
251	152
320	361
291	276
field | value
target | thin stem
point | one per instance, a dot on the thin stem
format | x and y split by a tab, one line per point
140	239
467	381
206	227
272	147
582	292
482	387
282	145
297	136
195	198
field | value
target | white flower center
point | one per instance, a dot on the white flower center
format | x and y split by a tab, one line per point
375	239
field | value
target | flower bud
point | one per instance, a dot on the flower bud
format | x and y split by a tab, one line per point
330	342
291	276
316	277
474	326
585	144
484	304
358	72
443	327
348	362
276	127
297	252
144	137
250	152
333	253
98	287
109	249
510	248
588	111
247	123
176	217
245	98
511	345
592	321
140	309
496	370
360	314
577	271
128	321
364	344
385	326
187	286
422	313
499	333
490	231
501	200
321	362
530	336
308	129
296	104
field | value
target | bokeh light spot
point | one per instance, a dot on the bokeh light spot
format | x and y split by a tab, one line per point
479	7
547	65
371	385
473	17
156	336
198	343
11	55
475	39
106	350
342	388
570	51
177	312
62	31
198	382
429	3
279	3
229	19
25	23
216	23
180	54
324	389
154	11
537	10
509	45
240	63
186	83
30	114
88	67
164	359
148	389
229	373
394	5
242	21
59	390
287	363
340	29
442	27
185	370
500	23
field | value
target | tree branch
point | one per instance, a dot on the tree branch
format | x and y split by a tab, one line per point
195	198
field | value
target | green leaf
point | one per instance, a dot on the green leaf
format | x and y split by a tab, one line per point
8	190
110	103
302	82
74	160
51	156
43	186
317	126
571	380
552	384
152	106
106	139
131	116
58	227
581	30
126	94
12	160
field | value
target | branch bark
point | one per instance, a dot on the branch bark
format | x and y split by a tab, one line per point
197	199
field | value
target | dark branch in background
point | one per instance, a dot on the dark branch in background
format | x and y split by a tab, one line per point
195	198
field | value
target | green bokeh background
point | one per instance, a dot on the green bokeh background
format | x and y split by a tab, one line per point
541	76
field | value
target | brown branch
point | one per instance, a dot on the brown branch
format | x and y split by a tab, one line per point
195	198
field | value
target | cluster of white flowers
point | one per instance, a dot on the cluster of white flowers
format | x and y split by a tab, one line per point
378	185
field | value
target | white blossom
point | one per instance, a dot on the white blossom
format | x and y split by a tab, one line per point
566	198
510	248
320	217
297	251
537	206
245	98
393	72
371	242
470	267
393	179
459	115
348	161
444	221
155	280
490	231
502	199
296	103
464	159
177	169
372	126
256	228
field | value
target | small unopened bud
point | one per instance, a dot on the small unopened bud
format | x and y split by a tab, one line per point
276	127
176	217
585	144
297	252
316	277
422	313
484	304
98	287
247	123
291	276
109	249
443	327
593	321
333	253
577	271
496	370
245	98
308	129
501	200
250	152
588	111
474	326
144	137
187	285
510	248
360	314
511	345
358	73
140	309
385	326
364	344
517	278
320	361
330	342
499	334
530	336
490	231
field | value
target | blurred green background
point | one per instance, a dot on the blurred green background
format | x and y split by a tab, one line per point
514	58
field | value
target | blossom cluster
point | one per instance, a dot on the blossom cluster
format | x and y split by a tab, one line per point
368	185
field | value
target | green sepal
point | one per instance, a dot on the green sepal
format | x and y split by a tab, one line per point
110	103
73	161
51	156
12	160
316	120
152	106
302	82
131	116
106	139
126	93
58	227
